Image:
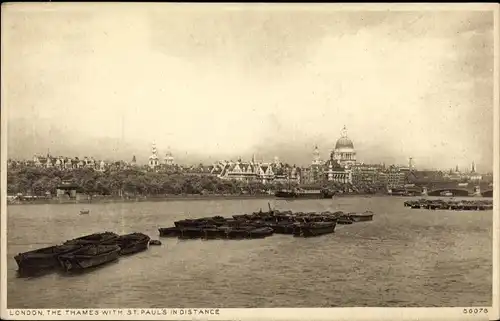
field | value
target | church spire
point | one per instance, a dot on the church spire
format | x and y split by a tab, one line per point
153	149
153	159
316	156
169	157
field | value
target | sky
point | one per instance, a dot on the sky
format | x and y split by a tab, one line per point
232	81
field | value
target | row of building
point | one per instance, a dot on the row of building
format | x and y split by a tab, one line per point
70	163
341	167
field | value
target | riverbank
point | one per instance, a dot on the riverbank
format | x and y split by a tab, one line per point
186	197
99	200
114	199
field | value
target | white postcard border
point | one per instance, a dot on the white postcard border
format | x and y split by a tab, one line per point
377	313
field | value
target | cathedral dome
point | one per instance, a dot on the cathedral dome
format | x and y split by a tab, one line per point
344	142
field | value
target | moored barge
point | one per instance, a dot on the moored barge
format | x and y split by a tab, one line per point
314	229
89	256
131	243
44	258
94	239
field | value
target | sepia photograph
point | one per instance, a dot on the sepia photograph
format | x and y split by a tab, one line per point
187	161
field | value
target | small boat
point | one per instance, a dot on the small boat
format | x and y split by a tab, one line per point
191	233
260	232
155	242
436	205
95	238
446	193
44	258
214	233
169	231
362	217
200	222
237	233
132	243
82	212
314	229
89	256
233	222
218	220
328	218
187	223
344	219
283	227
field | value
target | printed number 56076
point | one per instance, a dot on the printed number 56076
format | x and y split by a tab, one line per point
475	310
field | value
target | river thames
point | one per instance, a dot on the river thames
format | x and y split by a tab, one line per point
404	257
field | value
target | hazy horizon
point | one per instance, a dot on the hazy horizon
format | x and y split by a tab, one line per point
209	83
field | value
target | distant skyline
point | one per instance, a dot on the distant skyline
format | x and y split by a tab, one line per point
225	82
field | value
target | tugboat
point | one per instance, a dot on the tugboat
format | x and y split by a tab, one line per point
304	194
294	193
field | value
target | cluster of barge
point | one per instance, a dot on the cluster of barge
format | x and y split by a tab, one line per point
83	252
456	205
262	224
97	249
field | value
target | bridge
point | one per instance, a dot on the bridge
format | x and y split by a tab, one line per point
457	189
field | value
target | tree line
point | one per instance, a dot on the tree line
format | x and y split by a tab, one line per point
40	181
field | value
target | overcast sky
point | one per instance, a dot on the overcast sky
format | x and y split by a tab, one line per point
107	81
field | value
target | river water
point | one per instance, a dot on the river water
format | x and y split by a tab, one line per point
404	257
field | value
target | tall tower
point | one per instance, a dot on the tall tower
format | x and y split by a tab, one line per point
473	167
410	163
154	161
316	156
169	158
